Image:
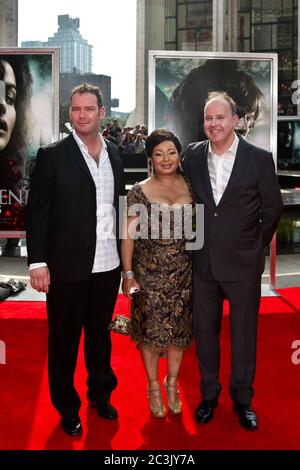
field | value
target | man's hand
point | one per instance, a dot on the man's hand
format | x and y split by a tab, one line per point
40	279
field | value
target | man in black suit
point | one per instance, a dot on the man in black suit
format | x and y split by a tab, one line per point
238	186
73	254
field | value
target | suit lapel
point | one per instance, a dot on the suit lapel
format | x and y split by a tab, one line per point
239	168
76	155
204	183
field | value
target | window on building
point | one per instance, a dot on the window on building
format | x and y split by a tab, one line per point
287	9
188	24
272	26
271	11
199	14
186	40
170	9
261	37
182	16
170	32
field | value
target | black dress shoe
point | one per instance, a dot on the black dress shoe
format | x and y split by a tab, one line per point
72	426
247	416
106	410
205	411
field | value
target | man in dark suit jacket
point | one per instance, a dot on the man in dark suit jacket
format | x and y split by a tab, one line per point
72	242
238	186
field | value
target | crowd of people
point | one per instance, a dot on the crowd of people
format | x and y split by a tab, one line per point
129	140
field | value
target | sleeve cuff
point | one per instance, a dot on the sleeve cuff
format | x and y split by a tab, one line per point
36	265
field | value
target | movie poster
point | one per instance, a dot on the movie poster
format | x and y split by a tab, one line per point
289	144
28	119
179	83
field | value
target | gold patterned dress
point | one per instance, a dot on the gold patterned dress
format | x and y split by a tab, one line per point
161	312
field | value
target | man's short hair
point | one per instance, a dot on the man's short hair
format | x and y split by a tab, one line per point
223	95
88	88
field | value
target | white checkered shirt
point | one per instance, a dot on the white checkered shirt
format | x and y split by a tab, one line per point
106	255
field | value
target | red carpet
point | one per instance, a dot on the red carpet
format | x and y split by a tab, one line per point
28	421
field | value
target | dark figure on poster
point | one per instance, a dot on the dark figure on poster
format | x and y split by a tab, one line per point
184	111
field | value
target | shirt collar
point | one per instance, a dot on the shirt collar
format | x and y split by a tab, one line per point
82	145
232	149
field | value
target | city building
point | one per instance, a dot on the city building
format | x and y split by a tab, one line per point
33	44
8	23
75	52
75	64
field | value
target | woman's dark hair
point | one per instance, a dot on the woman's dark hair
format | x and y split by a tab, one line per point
16	147
157	137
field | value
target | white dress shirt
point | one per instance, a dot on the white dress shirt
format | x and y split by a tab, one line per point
220	168
106	254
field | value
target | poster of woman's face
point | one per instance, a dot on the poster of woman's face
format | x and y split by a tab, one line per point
27	120
288	148
179	85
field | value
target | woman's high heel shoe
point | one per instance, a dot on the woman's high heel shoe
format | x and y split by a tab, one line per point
172	392
156	403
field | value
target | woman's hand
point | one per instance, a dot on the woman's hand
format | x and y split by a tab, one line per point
128	284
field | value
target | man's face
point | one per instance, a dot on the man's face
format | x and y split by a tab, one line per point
8	94
219	122
85	114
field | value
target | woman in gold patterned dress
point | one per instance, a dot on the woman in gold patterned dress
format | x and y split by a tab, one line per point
157	263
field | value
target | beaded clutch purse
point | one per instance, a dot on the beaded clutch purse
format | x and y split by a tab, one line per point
120	324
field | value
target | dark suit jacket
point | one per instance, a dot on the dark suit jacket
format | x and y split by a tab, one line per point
61	210
246	217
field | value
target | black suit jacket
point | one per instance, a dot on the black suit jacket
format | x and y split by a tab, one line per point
61	210
245	219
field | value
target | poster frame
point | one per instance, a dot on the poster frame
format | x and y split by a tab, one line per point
54	53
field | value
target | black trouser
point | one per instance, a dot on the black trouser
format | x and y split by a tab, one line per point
72	306
244	301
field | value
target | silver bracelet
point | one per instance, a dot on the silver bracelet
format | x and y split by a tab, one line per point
127	274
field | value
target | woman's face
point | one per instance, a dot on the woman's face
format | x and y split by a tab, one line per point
8	93
165	158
